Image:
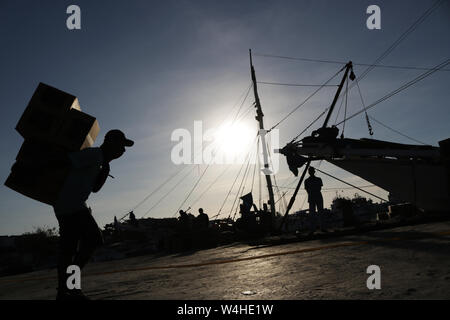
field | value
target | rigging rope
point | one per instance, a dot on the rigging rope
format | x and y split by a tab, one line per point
402	37
333	189
345	62
369	126
373	195
179	171
210	186
398	132
296	85
239	192
200	178
309	126
339	111
157	189
256	161
403	87
345	109
275	180
413	27
234	182
301	104
381	57
243	101
173	188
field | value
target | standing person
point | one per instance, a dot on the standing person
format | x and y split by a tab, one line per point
183	221
313	186
79	233
202	219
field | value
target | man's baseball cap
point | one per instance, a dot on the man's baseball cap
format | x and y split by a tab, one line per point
118	136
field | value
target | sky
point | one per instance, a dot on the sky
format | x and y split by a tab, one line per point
151	67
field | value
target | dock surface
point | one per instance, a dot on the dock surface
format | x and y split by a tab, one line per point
414	263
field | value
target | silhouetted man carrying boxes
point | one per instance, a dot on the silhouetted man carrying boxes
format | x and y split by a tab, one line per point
57	165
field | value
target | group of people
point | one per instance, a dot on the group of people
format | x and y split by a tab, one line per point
189	222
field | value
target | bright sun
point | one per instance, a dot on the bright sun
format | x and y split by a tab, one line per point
234	139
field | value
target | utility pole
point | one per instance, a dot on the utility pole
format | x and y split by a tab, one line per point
262	132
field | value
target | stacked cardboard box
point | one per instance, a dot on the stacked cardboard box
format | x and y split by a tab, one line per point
52	125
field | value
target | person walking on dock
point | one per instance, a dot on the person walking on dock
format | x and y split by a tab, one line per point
78	230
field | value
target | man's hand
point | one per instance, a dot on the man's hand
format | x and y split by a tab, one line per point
101	177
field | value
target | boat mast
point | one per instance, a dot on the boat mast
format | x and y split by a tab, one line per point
262	132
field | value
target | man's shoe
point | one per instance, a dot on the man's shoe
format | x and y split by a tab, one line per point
79	295
70	295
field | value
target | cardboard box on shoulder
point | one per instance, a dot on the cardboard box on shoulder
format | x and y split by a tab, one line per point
78	131
39	172
40	185
52	125
31	150
45	112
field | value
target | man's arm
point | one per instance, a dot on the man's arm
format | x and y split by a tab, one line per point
101	178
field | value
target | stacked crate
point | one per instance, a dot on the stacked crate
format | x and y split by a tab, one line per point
52	125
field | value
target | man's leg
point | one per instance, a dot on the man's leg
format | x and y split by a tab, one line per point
68	243
312	215
320	212
91	238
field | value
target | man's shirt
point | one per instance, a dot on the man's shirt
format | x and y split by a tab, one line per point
85	168
313	185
